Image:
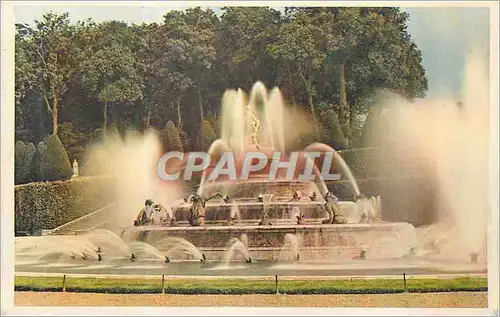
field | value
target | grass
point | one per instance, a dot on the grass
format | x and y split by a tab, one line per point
244	286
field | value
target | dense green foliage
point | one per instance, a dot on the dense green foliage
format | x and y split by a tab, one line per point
249	286
74	78
47	205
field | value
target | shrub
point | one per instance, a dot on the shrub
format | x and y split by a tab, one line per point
47	205
170	138
56	161
29	155
20	148
207	136
38	164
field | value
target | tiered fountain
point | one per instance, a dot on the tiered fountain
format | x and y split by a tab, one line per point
269	212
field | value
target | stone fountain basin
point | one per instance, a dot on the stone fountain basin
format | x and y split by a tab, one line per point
316	240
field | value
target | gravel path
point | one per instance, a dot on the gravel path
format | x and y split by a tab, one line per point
461	299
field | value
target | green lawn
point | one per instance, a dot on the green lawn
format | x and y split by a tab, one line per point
244	286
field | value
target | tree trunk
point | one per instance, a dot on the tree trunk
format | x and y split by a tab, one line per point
311	105
200	104
179	115
55	116
343	103
342	94
105	114
308	85
149	102
294	102
150	113
351	120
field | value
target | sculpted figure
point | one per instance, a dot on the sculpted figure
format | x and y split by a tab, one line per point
335	215
197	210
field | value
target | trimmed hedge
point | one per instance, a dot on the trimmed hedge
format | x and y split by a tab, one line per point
207	136
56	160
243	286
47	205
171	139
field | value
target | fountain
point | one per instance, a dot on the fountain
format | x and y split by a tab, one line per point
180	247
260	204
290	248
289	217
235	246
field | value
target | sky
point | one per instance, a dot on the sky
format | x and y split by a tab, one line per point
444	35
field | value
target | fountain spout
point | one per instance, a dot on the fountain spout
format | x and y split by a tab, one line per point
249	260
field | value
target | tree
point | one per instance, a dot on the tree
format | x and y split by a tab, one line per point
112	71
244	34
55	59
25	68
378	53
301	47
141	76
171	139
152	67
55	160
191	36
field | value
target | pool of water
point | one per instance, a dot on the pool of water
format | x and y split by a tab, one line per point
414	265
